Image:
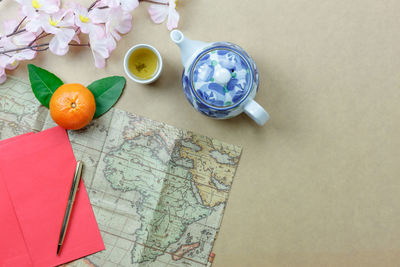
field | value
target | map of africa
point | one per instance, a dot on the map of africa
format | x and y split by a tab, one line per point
158	192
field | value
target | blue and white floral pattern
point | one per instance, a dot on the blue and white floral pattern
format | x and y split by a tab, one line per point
217	94
215	99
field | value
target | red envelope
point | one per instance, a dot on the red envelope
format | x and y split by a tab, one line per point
13	251
36	174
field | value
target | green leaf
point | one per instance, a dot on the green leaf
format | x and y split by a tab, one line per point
106	93
43	83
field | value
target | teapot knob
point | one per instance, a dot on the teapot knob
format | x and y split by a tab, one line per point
222	75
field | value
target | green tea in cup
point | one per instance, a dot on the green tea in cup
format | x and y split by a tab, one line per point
143	63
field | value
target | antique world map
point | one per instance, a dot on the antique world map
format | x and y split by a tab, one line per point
158	192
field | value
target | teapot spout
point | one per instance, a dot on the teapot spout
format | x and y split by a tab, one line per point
188	47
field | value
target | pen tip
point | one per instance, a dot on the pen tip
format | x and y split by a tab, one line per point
58	249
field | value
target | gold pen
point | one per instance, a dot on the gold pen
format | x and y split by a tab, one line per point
71	199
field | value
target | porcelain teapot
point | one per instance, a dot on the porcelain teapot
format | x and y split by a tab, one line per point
219	79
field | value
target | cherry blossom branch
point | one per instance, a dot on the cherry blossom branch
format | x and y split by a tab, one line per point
102	34
37	47
40	49
23	48
16	31
88	44
19	24
154	2
92	5
40	36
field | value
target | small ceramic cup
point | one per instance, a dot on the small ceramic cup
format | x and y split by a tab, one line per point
138	79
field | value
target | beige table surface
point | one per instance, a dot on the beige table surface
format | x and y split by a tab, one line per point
318	185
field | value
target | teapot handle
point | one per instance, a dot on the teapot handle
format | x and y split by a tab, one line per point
256	112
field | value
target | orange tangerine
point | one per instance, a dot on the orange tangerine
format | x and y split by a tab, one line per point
72	106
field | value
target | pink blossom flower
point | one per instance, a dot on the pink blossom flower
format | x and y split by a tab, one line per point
126	5
84	20
165	8
30	8
20	41
3	75
101	48
104	22
116	20
11	59
60	24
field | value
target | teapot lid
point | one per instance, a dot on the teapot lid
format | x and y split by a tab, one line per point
221	76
